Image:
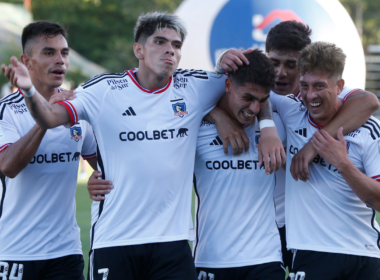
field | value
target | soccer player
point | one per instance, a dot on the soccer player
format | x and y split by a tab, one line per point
39	236
146	148
330	218
237	237
283	45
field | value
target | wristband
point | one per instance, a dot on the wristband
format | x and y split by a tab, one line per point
266	123
219	69
29	92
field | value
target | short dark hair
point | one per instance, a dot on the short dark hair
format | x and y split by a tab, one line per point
288	36
260	71
148	23
37	29
322	57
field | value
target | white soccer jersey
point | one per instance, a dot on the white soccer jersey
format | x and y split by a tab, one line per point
279	191
235	217
37	207
324	214
147	141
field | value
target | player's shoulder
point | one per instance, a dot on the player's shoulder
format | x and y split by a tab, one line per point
196	75
369	131
12	101
106	80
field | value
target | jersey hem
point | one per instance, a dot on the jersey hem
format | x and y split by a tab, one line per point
98	245
40	257
237	264
333	250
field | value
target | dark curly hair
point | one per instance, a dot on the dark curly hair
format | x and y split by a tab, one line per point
260	71
288	36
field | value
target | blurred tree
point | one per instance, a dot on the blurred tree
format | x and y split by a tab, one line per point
365	14
101	30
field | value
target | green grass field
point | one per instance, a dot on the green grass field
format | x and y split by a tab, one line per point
84	219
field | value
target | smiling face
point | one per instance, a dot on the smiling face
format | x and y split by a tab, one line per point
160	54
243	103
320	95
48	61
285	67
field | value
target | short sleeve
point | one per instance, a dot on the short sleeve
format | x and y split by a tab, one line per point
285	105
371	154
210	90
89	142
346	92
8	131
87	105
281	130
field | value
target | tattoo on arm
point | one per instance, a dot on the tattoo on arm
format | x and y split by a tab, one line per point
266	112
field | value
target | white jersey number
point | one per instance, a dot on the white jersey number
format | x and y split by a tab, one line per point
299	276
203	276
16	269
104	271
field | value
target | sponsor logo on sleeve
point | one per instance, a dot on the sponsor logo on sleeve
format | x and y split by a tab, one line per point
76	133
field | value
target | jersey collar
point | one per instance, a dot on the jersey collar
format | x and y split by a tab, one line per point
312	122
155	90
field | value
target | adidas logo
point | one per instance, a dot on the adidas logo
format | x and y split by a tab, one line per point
301	132
217	141
129	112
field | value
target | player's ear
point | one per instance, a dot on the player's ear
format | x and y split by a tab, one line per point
228	85
25	59
340	84
138	50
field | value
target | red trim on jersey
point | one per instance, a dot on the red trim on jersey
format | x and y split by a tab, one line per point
155	90
89	156
299	96
72	112
348	94
312	122
2	148
377	177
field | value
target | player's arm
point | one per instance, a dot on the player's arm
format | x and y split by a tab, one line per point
97	187
18	155
46	115
271	149
335	153
356	110
93	163
229	130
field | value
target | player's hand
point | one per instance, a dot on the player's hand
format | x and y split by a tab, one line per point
333	151
62	96
230	131
98	187
17	74
232	59
271	150
300	162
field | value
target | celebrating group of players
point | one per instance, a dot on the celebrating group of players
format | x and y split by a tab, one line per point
152	131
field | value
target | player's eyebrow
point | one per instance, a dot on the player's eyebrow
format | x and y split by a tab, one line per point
166	39
53	49
288	60
249	95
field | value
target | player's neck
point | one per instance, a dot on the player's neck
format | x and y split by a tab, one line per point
296	91
45	90
224	104
149	80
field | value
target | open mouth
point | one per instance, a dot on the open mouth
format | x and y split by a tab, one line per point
248	115
315	105
58	72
